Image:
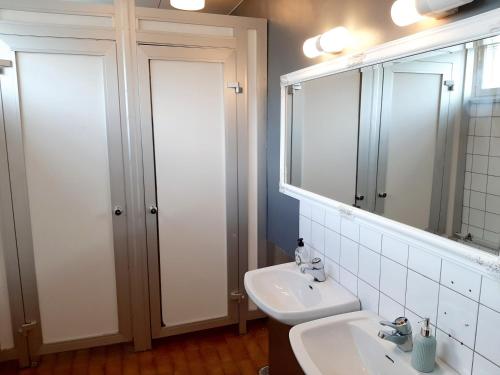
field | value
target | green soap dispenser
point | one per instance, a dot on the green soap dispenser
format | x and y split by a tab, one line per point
423	356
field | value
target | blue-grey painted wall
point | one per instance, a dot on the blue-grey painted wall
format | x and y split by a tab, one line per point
290	23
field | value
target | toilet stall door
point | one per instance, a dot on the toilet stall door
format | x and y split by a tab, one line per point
189	128
412	142
64	146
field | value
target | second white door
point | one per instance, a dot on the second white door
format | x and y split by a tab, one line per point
189	122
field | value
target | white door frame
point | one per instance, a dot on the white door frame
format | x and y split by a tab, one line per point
10	252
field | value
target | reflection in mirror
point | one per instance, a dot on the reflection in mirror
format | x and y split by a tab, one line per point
431	159
321	135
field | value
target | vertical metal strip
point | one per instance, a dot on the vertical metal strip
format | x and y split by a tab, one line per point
129	99
10	249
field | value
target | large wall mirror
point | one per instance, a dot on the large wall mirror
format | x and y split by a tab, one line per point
416	140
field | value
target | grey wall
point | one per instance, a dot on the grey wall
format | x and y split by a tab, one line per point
290	23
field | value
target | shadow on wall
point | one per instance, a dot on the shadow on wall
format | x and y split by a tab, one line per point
290	23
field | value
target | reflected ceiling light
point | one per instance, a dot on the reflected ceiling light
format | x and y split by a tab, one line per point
333	41
406	12
188	4
312	48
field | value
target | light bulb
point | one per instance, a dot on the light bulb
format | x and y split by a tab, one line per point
335	40
188	4
404	12
311	47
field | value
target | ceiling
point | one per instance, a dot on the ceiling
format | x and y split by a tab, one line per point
211	6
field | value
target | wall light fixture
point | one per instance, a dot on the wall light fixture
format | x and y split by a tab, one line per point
333	41
406	12
188	4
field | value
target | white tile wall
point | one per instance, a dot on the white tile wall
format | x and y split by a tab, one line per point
349	254
370	238
422	295
425	263
488	334
332	245
368	296
455	354
369	266
457	315
395	250
490	293
393	279
461	280
484	367
482	182
318	236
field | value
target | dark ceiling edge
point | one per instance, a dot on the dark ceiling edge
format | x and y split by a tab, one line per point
236	7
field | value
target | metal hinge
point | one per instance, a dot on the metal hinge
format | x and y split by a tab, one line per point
237	296
450	84
294	87
27	327
236	86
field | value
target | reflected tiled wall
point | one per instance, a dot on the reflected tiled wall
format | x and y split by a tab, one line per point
481	212
393	279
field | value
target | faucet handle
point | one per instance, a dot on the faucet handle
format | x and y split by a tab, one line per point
317	262
401	324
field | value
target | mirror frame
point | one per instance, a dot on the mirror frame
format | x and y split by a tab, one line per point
463	31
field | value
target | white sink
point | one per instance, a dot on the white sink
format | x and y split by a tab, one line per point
289	296
348	345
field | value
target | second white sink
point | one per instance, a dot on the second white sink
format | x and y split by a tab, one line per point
290	297
348	345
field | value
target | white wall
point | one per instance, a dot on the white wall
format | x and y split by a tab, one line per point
6	339
393	278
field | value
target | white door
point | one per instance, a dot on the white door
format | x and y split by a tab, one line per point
412	142
65	157
189	127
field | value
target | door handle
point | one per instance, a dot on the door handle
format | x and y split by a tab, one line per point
118	210
359	197
382	195
153	209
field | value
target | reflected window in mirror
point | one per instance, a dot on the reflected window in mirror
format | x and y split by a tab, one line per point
321	135
429	143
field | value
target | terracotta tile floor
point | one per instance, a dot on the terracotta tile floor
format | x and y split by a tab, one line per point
219	351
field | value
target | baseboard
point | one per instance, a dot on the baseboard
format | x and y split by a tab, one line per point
8	355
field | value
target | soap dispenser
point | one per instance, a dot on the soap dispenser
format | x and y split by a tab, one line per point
423	357
301	253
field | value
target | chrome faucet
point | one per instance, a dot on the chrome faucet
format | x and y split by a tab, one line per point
401	336
316	269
